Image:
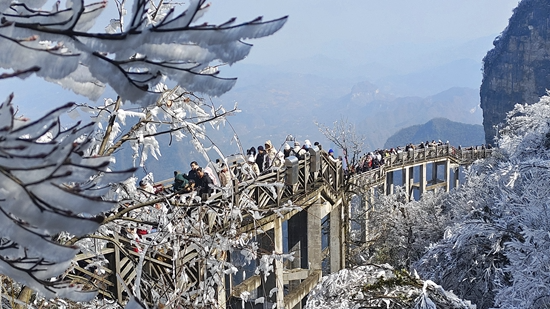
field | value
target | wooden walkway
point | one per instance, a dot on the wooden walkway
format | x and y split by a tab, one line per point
316	184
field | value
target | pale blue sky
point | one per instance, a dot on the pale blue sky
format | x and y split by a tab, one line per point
363	25
361	31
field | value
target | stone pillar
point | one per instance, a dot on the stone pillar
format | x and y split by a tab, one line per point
411	183
365	217
422	179
447	175
408	181
457	177
314	246
406	184
372	197
335	239
434	172
389	183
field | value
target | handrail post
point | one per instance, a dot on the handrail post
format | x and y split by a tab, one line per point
117	270
235	182
280	190
307	163
339	167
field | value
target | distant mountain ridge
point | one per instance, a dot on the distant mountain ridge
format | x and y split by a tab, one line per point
379	119
276	104
443	129
378	97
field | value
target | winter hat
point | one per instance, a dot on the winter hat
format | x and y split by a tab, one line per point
296	143
287	146
330	151
260	148
307	143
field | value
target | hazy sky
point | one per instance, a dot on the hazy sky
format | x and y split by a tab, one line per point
363	25
349	29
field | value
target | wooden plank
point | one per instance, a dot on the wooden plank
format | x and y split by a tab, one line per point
247	285
165	277
295	274
189	256
89	255
296	296
126	266
130	277
266	223
116	266
92	275
151	259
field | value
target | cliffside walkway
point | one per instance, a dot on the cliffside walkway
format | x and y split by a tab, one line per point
320	192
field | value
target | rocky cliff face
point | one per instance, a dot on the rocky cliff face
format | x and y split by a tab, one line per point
517	69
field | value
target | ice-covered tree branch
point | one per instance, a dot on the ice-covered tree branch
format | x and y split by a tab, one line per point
48	187
345	136
132	61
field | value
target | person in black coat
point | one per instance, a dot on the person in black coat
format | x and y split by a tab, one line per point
260	158
203	182
192	175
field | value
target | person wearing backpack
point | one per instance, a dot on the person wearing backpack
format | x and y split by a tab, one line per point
180	182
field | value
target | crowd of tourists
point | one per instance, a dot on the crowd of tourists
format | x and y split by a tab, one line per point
377	158
267	158
200	182
259	161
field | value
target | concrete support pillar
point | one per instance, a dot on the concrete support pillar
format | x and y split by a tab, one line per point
406	184
457	175
422	179
388	190
447	175
278	248
364	220
434	172
411	183
408	181
372	197
314	248
385	186
335	240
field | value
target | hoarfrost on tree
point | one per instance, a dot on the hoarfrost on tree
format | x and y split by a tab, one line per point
133	61
377	286
47	187
502	245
